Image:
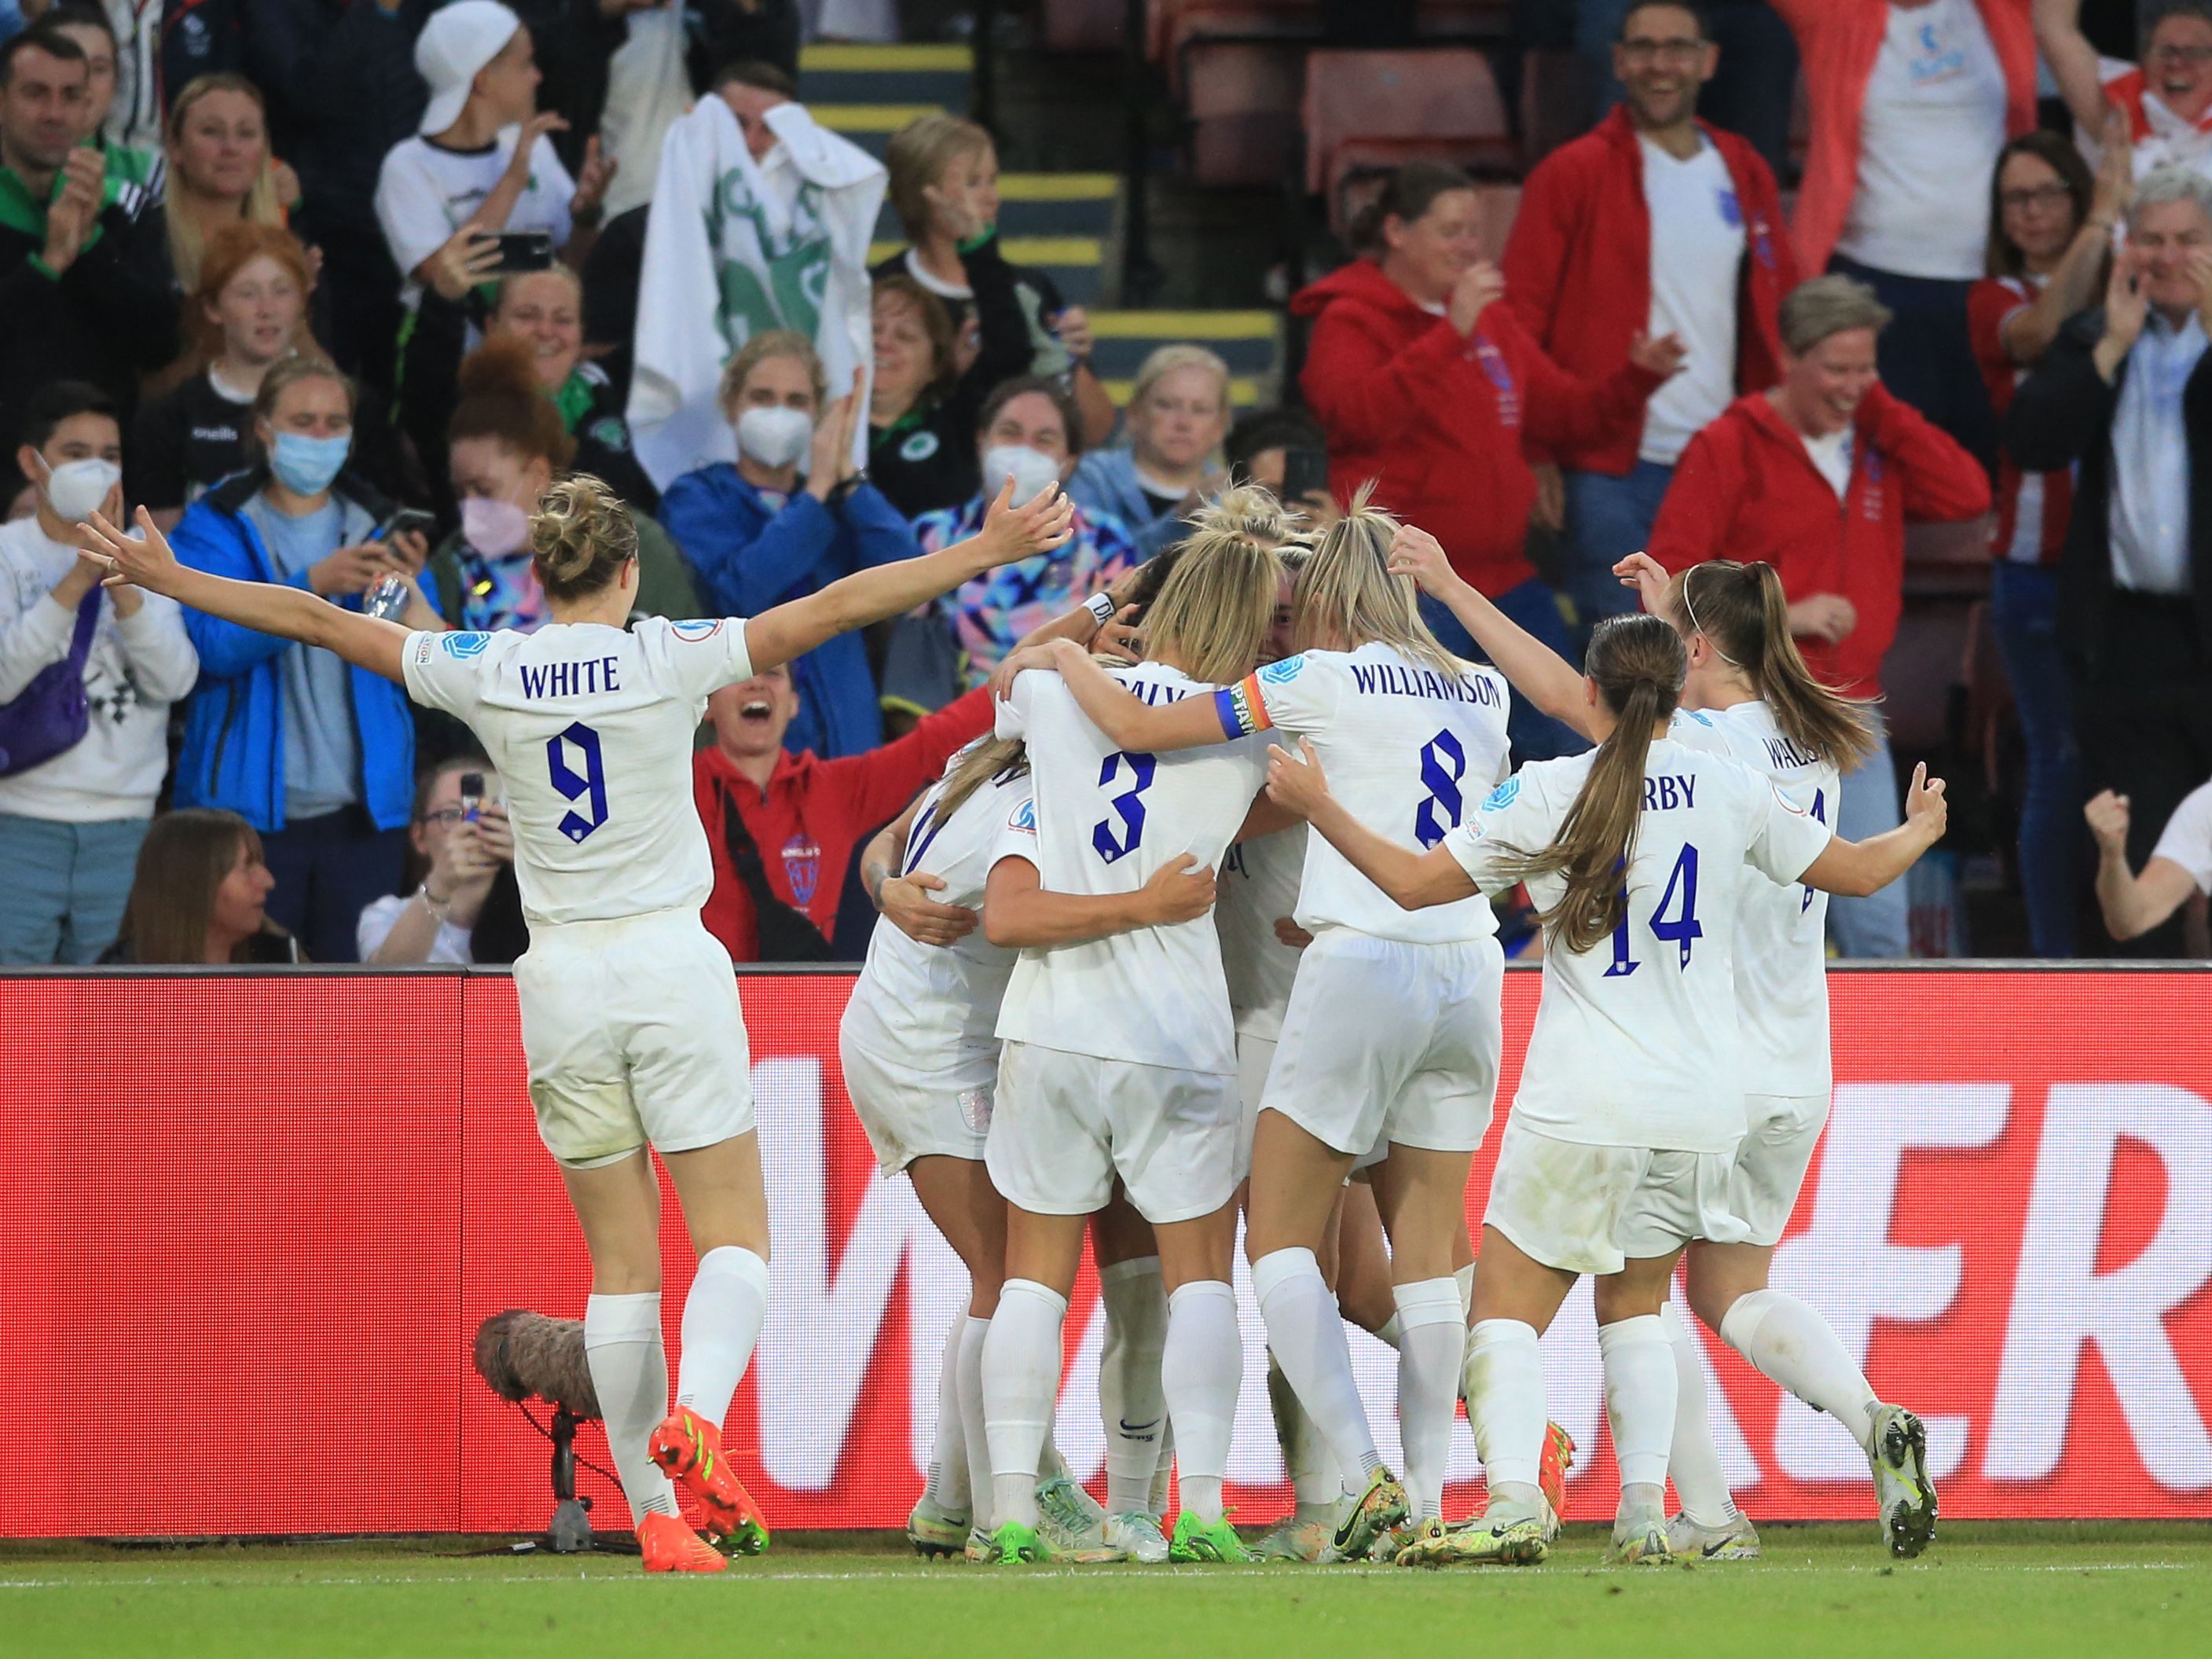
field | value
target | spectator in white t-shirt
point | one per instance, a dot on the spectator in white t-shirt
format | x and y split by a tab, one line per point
1911	101
482	157
2178	868
455	852
1654	223
2163	104
70	825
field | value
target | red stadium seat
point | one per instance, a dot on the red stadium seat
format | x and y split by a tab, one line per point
1084	25
1367	111
1241	104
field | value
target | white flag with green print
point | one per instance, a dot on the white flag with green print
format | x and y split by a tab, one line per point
734	248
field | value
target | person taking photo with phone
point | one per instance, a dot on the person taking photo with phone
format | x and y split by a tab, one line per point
317	756
459	848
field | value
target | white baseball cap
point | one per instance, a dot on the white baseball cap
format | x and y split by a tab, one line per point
457	42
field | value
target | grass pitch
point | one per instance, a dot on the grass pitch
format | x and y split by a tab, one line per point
2006	1590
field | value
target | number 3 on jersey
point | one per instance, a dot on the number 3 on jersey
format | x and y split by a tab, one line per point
590	783
1128	807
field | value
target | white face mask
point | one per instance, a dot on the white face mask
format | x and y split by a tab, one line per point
77	489
776	436
1031	470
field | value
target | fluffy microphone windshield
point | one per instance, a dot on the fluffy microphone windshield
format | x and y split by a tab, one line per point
520	1354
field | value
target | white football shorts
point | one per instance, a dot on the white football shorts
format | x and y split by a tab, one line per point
1066	1124
1255	1055
1587	1209
1772	1162
911	1110
1391	1043
633	1034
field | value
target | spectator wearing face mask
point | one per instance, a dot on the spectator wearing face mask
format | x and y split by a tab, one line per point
248	313
1026	437
507	445
87	678
769	529
317	756
1178	415
84	286
460	866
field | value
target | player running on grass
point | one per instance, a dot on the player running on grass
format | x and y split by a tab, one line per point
1747	694
631	1018
1630	1111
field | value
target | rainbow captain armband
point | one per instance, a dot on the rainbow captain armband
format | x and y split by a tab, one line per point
1242	708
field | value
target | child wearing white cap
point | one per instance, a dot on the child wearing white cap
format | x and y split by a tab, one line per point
481	155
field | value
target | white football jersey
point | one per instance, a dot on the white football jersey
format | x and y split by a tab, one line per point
1636	1042
1406	749
1106	822
1781	946
590	728
1259	886
923	1002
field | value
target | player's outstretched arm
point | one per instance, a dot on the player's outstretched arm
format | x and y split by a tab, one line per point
1019	910
1141	727
1857	868
1534	669
1010	533
290	613
1413	880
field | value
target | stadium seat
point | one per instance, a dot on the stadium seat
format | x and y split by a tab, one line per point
1084	25
1367	111
1241	110
1951	559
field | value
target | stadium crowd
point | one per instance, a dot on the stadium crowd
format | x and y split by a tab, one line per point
337	289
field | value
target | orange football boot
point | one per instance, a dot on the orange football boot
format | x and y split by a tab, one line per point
669	1544
1552	1473
689	1448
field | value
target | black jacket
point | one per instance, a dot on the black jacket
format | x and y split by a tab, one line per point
2063	414
109	317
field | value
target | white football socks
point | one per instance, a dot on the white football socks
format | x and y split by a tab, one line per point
1132	1402
1791	1345
629	1374
1639	1403
947	1484
1201	1366
1432	1342
1306	1334
1504	1381
1021	1383
1692	1461
976	1445
1305	1453
1463	1278
722	1320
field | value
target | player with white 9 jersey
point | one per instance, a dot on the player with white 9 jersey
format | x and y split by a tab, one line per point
1642	857
630	1020
1391	1039
1120	1057
1747	694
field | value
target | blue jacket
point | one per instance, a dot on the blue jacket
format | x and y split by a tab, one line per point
233	749
749	557
1105	482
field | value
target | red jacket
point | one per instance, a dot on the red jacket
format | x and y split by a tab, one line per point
1578	264
815	813
1837	42
1439	420
1746	489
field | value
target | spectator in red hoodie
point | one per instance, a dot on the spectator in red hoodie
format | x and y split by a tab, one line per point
1422	383
1656	221
1817	477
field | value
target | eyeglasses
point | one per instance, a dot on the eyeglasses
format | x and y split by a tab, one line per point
1677	50
2193	56
2035	195
445	815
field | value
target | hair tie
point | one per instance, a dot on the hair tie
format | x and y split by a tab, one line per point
1697	627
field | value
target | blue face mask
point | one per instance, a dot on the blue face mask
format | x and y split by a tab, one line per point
306	464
